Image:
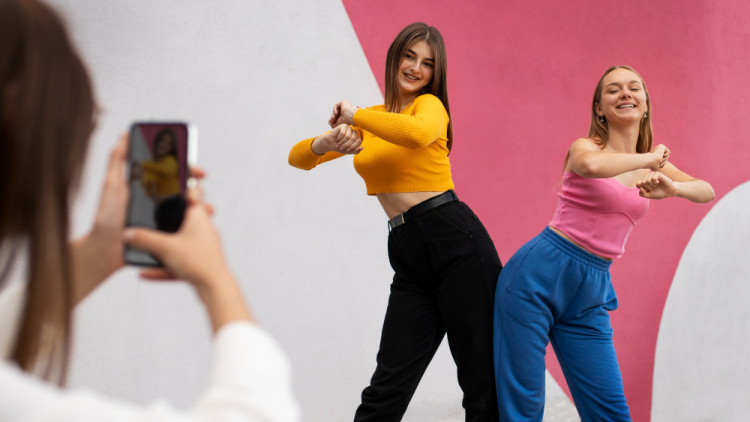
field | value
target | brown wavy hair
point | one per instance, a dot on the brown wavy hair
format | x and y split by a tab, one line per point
46	119
438	86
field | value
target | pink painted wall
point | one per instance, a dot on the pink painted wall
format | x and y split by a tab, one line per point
521	79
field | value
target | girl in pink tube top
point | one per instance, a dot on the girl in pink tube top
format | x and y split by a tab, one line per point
557	287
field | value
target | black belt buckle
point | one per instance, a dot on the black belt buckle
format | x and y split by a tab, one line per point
443	198
395	222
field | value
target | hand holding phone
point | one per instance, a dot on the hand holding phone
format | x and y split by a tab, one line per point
159	157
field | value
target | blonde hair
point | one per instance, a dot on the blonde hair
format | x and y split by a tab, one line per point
599	131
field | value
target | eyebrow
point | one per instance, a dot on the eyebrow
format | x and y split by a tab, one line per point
617	83
412	52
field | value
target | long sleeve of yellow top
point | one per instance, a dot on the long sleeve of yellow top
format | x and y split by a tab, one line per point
403	152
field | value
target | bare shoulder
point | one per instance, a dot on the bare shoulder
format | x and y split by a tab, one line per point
583	145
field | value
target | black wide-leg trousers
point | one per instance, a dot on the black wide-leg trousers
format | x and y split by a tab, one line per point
446	268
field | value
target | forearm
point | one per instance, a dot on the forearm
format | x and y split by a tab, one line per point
696	190
318	146
89	269
599	165
223	300
305	156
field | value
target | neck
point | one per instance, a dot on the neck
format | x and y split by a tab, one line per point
623	139
406	99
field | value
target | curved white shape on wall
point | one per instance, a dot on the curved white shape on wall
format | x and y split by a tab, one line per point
702	364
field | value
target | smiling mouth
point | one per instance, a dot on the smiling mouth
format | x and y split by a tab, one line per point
410	78
626	106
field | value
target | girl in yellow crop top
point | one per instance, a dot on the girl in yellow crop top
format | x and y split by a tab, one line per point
160	175
445	264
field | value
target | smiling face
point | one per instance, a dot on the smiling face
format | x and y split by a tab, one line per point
623	98
164	145
415	71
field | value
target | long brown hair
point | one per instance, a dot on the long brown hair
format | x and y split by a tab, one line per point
46	119
438	86
599	131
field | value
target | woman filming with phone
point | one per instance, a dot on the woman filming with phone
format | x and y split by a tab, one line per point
445	264
46	120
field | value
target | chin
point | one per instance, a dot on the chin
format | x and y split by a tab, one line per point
627	119
407	91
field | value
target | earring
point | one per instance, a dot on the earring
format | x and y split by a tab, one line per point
601	119
645	114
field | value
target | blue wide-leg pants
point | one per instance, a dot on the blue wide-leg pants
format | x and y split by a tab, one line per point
552	290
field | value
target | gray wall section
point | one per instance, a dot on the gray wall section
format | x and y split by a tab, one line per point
702	366
308	248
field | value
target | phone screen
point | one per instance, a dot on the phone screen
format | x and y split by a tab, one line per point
158	173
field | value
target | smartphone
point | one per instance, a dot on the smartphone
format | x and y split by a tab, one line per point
159	160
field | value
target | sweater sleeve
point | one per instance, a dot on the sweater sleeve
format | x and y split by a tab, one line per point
303	157
164	167
250	382
419	130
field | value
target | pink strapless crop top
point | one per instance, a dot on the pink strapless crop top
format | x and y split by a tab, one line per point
598	214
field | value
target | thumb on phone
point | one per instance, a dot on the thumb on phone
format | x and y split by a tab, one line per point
148	240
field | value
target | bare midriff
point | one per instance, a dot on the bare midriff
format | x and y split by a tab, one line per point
565	236
398	203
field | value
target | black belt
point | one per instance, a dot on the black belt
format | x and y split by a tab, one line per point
421	208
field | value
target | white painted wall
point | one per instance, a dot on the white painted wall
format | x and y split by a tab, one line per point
308	248
702	366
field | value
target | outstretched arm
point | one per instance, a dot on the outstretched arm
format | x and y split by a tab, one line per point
342	140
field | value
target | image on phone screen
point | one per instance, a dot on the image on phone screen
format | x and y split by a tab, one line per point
158	174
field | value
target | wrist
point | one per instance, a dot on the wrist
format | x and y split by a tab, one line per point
677	189
91	265
213	283
224	301
351	119
318	146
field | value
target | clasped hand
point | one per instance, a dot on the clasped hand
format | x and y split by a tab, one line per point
656	185
342	138
342	114
661	153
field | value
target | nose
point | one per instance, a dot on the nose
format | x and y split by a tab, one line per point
415	66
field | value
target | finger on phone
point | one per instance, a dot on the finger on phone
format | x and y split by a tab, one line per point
195	195
117	160
197	172
156	274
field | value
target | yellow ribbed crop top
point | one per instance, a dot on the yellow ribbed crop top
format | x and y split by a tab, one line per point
402	152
